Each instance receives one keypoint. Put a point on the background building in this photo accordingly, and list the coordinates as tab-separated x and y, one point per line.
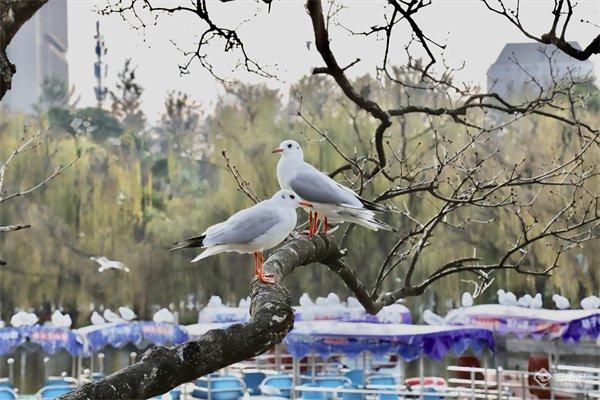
39	50
519	64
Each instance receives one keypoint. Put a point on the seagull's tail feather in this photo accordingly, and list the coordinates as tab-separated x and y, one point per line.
364	218
209	252
372	206
197	241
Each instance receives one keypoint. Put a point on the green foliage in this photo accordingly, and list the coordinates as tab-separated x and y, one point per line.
128	201
126	102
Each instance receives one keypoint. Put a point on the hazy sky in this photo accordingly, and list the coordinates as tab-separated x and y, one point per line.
472	34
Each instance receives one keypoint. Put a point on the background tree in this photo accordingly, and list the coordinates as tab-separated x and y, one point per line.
126	103
438	158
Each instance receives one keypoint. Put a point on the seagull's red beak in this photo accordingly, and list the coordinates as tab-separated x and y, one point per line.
305	203
278	150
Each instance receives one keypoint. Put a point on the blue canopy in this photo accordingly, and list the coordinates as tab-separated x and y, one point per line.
119	334
10	338
161	334
53	339
409	341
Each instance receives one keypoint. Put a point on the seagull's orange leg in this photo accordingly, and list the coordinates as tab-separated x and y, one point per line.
325	226
310	225
255	256
315	224
264	278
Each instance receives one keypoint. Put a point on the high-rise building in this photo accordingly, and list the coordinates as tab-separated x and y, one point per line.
521	68
39	50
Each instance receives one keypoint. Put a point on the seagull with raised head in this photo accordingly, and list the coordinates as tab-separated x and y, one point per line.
506	298
23	318
97	319
60	320
252	230
331	201
536	302
106	264
561	302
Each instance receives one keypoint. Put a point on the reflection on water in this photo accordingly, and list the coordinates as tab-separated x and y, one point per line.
29	372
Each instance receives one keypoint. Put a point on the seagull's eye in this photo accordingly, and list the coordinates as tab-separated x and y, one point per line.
292	196
289	146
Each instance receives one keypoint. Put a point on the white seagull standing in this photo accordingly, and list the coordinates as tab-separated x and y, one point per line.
105	264
110	316
60	320
164	316
467	299
127	313
561	302
590	303
251	230
23	318
332	201
536	302
525	301
97	319
506	298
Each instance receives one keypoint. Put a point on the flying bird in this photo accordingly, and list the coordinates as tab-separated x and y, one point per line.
60	320
252	230
561	302
105	264
97	319
332	201
127	313
507	298
590	303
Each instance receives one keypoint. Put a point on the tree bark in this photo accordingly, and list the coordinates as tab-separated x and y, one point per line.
272	317
13	14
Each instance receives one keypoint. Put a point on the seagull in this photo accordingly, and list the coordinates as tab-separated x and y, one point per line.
525	301
245	302
105	264
60	320
507	298
331	200
590	303
127	313
432	318
536	302
164	316
467	299
23	318
561	302
97	319
110	316
251	230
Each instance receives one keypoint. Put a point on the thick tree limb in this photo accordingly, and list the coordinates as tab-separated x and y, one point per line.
162	368
13	14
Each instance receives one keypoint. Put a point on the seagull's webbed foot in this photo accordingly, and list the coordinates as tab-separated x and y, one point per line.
267	278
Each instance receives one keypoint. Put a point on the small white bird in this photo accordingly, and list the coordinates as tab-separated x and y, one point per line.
106	264
245	302
110	316
467	299
506	298
2	324
127	313
590	303
525	301
536	302
60	320
97	319
305	301
432	318
164	316
23	318
561	302
252	230
331	201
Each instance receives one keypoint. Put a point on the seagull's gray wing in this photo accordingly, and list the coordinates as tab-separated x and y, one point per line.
319	188
244	226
